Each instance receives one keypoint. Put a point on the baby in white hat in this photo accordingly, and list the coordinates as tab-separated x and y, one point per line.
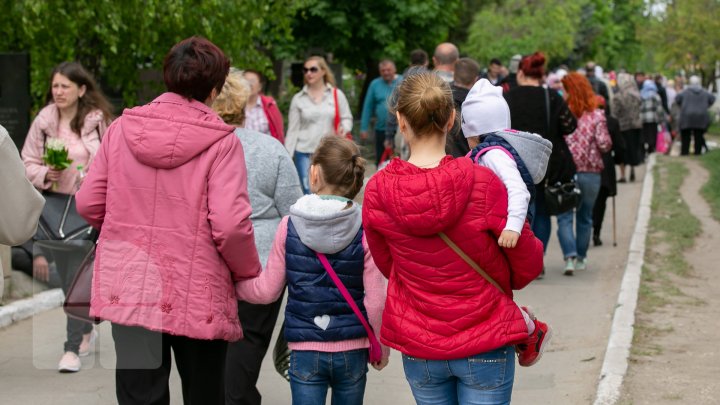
518	158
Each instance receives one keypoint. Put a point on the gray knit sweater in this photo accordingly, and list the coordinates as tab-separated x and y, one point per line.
273	185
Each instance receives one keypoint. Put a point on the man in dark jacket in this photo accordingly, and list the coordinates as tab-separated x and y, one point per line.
466	74
598	85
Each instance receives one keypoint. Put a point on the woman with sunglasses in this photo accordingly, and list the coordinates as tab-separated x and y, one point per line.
320	109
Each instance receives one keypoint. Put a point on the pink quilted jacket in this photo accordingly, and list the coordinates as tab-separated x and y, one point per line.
168	189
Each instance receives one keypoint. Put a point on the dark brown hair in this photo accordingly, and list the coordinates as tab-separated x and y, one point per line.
342	166
425	100
92	100
195	66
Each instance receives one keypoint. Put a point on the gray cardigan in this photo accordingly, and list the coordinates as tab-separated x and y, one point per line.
694	103
273	185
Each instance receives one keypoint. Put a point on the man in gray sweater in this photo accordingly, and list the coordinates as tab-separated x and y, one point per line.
694	103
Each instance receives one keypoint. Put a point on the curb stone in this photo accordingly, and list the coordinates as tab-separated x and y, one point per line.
26	308
615	364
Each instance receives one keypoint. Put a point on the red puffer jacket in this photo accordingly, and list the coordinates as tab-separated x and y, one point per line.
437	306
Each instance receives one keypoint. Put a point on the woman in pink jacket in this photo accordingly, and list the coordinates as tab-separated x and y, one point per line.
168	191
76	116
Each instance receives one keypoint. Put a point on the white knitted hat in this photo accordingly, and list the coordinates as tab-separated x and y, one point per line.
484	110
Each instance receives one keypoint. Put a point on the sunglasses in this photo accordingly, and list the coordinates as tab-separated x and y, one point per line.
313	69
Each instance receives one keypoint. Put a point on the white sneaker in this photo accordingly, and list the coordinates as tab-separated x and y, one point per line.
69	363
569	266
87	345
581	264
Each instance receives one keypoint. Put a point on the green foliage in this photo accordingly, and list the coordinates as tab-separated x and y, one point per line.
359	33
517	26
117	39
686	36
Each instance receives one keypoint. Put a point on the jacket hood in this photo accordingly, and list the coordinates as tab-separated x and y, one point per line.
533	149
171	130
424	202
325	226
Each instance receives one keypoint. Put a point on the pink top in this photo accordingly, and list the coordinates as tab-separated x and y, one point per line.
81	147
589	141
268	286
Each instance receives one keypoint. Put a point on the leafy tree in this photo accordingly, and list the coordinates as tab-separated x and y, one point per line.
686	36
517	26
115	40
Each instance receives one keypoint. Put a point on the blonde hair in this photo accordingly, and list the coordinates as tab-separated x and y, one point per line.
425	101
341	165
328	76
230	103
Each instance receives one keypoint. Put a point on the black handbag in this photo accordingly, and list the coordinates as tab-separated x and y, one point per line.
60	220
562	197
281	355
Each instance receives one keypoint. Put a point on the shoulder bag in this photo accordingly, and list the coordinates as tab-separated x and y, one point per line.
559	197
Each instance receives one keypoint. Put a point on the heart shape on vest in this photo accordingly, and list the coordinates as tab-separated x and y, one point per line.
322	321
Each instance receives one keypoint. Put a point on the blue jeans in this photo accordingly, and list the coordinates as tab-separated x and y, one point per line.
541	223
577	246
302	164
311	372
485	378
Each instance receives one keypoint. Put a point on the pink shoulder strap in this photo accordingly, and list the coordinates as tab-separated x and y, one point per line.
375	350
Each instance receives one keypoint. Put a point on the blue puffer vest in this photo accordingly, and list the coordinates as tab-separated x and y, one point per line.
314	301
489	141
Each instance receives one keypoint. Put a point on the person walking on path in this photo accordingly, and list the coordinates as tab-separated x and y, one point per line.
328	341
262	113
375	105
408	208
76	116
466	74
626	108
587	144
168	192
320	109
542	111
652	114
444	59
273	186
694	103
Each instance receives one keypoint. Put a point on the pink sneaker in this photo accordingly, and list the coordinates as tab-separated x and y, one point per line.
87	345
69	363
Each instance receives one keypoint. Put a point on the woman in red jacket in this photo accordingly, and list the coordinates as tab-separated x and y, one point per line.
454	328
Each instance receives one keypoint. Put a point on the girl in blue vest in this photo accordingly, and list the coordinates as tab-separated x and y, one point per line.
520	160
328	342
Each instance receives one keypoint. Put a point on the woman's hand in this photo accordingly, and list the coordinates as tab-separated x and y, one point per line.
379	365
41	269
53	175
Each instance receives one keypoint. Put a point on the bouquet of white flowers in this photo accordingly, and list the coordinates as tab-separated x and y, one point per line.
56	156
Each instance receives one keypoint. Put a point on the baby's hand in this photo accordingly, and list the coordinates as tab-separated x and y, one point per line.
508	239
379	365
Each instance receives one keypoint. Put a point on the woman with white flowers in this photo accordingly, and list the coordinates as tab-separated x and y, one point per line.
75	118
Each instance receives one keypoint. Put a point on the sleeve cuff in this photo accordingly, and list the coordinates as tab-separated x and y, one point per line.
515	224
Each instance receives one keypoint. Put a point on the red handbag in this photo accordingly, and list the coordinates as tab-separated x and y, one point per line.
336	124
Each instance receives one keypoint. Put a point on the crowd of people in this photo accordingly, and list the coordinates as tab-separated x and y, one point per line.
208	209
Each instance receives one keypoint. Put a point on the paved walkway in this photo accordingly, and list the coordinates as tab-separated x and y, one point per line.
579	308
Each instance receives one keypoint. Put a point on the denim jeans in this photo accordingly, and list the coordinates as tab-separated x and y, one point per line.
312	372
485	378
302	164
577	246
541	223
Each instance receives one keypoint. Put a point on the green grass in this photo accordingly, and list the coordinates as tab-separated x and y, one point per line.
711	189
672	231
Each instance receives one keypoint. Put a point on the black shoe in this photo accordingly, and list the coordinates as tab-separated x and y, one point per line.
596	240
622	180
